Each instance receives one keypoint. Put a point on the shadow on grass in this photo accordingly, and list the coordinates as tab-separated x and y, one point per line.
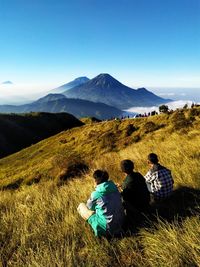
183	203
12	186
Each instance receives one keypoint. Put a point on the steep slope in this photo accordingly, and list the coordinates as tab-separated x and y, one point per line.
59	103
92	141
20	131
67	86
104	88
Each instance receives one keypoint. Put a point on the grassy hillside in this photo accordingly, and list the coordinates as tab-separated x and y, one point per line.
42	189
19	131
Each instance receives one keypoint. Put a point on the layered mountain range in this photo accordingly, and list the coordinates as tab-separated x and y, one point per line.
106	89
55	103
102	97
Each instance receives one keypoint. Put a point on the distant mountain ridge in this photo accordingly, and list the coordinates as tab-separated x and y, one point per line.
55	103
76	82
7	82
50	97
106	89
103	97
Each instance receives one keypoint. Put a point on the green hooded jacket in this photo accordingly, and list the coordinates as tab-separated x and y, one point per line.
109	213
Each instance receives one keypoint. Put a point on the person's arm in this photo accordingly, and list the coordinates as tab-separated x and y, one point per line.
119	186
127	189
125	183
149	177
170	174
91	202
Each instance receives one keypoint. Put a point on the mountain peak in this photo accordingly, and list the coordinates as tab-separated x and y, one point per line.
7	82
104	75
105	80
76	82
142	89
82	79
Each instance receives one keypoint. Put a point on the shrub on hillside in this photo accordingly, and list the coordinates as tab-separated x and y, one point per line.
151	127
35	179
66	167
179	120
163	109
130	129
107	140
136	138
194	112
13	186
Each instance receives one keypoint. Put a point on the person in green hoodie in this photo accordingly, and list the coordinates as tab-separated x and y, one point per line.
104	210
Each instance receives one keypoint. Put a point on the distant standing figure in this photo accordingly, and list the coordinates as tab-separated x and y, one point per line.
104	210
134	189
159	179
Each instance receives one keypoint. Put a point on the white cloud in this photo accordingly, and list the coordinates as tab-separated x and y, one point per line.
23	89
166	94
172	105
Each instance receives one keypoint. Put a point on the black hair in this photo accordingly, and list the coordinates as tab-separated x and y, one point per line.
100	175
127	165
153	158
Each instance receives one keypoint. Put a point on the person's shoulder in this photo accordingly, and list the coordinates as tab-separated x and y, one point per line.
128	178
138	175
163	168
165	173
95	194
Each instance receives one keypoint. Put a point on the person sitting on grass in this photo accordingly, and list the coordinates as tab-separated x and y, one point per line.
104	210
159	179
135	194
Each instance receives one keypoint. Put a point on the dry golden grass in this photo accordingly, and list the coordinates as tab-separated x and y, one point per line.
39	224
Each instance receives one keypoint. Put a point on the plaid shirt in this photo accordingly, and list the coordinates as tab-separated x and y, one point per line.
159	181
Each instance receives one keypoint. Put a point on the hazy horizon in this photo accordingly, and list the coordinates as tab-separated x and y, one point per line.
12	93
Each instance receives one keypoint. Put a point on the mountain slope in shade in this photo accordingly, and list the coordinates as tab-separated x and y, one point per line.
50	97
55	103
78	81
104	88
20	131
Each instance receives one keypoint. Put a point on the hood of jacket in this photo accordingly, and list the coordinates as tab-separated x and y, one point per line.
106	187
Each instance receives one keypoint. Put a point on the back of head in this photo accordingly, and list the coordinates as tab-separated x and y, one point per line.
127	166
101	176
153	158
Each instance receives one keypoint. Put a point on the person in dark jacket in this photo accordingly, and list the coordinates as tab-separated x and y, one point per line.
135	193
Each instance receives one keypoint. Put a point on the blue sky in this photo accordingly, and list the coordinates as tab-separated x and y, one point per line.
151	43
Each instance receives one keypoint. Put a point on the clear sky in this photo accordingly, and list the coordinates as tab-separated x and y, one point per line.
45	43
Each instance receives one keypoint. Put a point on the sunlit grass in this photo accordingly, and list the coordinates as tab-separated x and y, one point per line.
39	224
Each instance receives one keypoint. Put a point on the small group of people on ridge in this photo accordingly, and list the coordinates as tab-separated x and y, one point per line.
108	205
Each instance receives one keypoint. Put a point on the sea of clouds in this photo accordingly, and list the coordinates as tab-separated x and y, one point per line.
172	105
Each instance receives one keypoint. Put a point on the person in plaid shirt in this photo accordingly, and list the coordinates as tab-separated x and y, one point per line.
158	179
